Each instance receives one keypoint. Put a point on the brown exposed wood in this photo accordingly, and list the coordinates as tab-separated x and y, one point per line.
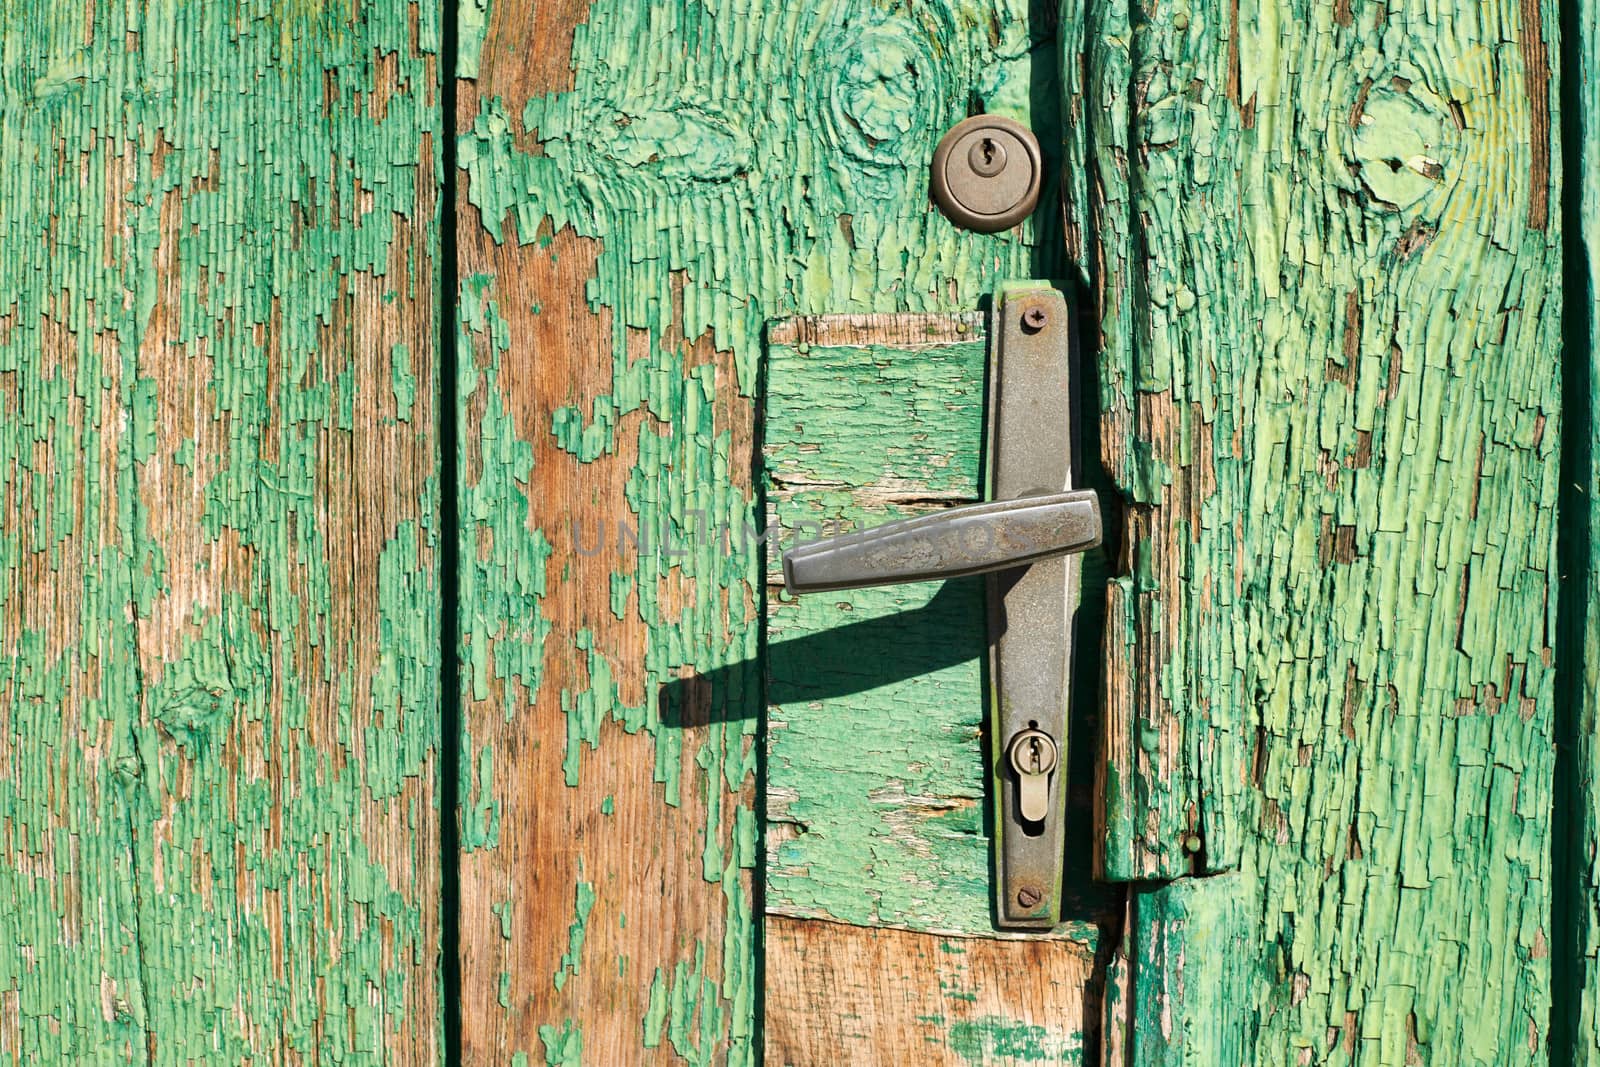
1536	84
897	997
887	329
614	834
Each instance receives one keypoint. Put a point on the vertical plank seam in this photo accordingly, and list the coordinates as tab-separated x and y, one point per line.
1568	909
449	452
1077	59
758	879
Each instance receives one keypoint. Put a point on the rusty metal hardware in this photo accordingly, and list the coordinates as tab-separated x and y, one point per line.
986	173
1026	537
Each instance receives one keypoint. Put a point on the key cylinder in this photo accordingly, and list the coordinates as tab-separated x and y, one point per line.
986	173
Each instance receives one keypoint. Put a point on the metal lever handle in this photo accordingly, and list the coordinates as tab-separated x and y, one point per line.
972	539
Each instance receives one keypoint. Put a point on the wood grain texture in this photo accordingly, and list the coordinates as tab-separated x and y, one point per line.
1329	296
881	997
643	186
1187	961
218	595
607	828
875	757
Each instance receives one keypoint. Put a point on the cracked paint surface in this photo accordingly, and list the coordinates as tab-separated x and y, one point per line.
634	212
218	597
1326	253
1331	317
876	756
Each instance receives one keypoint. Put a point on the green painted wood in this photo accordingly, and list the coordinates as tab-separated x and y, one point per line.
1330	308
875	796
218	591
1323	254
1190	953
643	187
876	704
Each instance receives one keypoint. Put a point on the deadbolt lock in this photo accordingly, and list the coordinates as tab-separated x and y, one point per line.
986	173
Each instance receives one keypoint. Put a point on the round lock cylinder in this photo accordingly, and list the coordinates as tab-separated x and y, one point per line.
986	173
1033	752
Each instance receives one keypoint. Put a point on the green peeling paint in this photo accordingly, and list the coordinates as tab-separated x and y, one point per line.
219	611
998	1040
732	164
503	910
1329	306
876	783
472	24
402	382
1325	248
564	1047
571	958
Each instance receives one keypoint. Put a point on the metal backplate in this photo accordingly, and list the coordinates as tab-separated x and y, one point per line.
1032	609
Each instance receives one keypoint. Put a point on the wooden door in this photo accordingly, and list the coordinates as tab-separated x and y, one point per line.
1316	248
392	671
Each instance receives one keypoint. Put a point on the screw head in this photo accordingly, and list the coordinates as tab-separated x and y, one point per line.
1028	896
1034	319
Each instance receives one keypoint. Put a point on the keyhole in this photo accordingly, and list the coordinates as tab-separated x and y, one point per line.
1035	755
987	157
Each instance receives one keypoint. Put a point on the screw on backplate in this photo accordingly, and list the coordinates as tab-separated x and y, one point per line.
1028	896
1034	319
1192	843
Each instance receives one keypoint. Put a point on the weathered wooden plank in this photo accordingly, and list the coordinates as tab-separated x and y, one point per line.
607	830
218	595
1331	361
894	997
635	206
875	708
875	696
1188	962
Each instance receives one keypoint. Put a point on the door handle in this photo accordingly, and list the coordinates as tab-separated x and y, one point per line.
1027	537
972	539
